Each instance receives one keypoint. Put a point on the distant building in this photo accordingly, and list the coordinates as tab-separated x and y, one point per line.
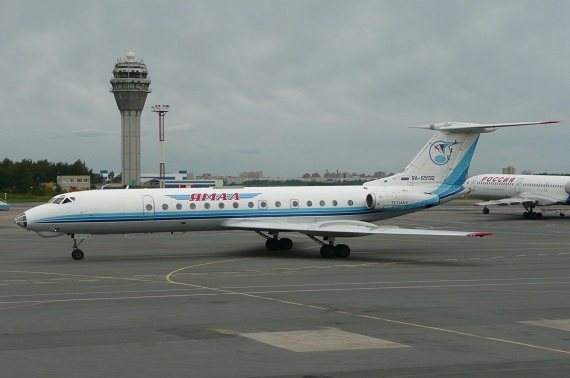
74	183
510	170
380	174
251	174
333	175
104	174
179	180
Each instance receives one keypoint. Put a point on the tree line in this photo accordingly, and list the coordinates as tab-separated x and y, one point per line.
27	176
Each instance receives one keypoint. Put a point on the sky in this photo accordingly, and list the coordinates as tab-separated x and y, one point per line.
287	87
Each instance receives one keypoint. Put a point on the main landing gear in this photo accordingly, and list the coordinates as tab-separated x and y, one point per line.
328	247
273	243
77	254
330	250
530	213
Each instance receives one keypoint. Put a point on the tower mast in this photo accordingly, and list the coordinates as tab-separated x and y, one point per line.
130	86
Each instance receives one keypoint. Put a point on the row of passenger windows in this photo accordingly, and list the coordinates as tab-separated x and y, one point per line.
524	185
261	204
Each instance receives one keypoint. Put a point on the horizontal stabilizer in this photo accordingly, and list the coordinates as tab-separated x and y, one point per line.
337	228
462	127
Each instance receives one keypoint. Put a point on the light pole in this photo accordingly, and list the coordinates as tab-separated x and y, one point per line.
161	110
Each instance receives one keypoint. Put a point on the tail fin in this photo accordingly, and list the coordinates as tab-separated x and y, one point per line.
444	159
442	164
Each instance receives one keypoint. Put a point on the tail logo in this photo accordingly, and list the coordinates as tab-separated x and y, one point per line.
440	152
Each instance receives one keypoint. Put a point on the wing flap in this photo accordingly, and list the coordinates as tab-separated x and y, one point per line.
338	228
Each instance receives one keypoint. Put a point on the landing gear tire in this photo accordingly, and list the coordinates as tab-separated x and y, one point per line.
526	215
341	251
327	251
486	210
285	244
77	254
272	244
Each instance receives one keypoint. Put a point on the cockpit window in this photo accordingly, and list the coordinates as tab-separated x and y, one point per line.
61	200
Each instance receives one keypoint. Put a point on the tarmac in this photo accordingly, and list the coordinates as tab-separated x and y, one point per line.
218	304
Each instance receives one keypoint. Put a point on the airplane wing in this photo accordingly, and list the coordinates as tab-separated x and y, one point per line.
519	200
337	228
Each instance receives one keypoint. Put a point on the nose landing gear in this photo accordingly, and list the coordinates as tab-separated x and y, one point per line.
77	254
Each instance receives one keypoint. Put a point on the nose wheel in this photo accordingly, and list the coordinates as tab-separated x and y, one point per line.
77	254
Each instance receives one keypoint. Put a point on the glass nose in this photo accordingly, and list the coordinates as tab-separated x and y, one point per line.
21	220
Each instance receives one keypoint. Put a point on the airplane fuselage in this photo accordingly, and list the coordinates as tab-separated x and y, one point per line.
189	209
548	190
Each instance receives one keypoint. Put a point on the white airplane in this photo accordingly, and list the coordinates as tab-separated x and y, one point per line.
434	176
526	190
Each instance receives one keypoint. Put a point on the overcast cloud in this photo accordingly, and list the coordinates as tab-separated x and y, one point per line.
287	87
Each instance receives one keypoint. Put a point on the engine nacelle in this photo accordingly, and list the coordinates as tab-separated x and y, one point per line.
400	199
567	187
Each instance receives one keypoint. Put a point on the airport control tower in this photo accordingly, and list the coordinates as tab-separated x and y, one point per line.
130	85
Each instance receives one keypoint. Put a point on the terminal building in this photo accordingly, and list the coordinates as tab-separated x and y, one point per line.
182	179
74	183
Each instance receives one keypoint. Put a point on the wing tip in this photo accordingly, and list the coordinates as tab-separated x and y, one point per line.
479	234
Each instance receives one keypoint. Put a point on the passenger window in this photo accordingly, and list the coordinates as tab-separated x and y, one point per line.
350	203
322	203
235	205
250	204
206	205
277	204
149	207
193	206
309	203
221	205
164	207
334	202
178	206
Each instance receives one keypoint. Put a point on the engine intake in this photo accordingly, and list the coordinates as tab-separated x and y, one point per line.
401	199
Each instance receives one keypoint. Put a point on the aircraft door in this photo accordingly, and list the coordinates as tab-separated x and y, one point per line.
148	206
518	185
